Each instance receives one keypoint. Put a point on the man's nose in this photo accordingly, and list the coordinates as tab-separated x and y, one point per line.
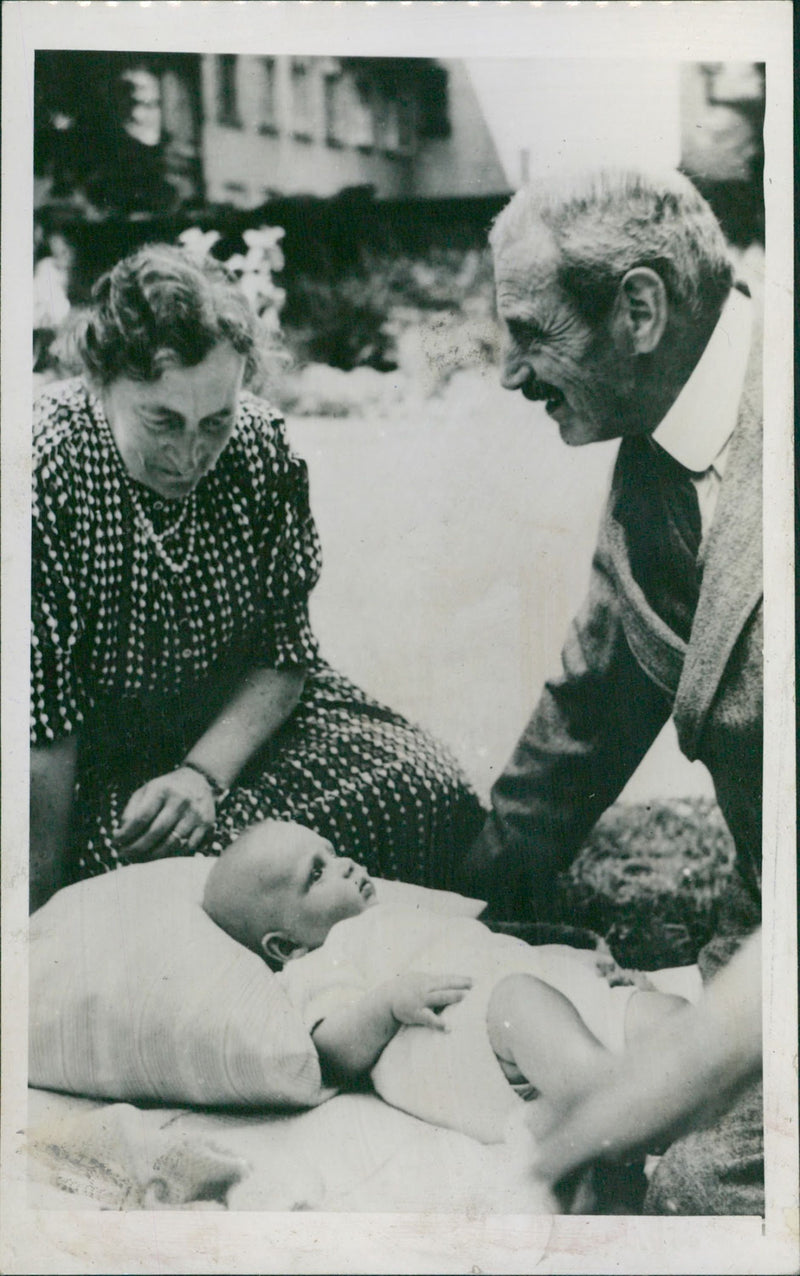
515	369
349	866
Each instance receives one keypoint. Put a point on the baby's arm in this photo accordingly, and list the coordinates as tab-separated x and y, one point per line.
349	1041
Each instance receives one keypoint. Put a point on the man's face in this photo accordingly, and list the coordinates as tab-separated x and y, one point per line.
551	354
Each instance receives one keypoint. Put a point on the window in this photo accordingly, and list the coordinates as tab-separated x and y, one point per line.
734	83
268	104
406	123
141	92
349	118
227	96
362	123
235	193
302	106
396	123
335	123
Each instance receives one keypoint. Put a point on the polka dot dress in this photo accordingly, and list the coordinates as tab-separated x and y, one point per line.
137	659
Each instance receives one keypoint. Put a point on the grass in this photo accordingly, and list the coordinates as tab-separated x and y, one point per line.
649	880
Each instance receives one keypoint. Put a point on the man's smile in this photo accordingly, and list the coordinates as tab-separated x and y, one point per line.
536	391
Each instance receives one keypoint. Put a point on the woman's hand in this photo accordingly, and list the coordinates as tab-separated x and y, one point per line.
414	998
169	815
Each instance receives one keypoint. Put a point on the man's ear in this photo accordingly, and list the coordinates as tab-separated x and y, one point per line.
642	309
279	948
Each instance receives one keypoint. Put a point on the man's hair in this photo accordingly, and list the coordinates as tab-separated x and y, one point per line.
606	222
163	301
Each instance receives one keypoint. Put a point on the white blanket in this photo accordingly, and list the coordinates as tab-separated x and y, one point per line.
353	1153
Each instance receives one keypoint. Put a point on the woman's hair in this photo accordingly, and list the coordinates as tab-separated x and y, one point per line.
606	222
163	304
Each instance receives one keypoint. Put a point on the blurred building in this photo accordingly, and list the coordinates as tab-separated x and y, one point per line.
722	141
150	133
398	156
313	126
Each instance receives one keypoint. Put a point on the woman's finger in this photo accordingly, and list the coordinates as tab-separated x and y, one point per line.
186	836
140	811
197	837
157	838
183	837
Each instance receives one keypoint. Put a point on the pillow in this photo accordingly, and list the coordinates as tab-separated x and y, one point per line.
135	994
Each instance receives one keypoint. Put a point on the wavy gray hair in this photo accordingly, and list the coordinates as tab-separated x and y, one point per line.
608	221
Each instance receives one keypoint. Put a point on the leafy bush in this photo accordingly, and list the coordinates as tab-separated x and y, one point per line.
649	879
339	322
361	318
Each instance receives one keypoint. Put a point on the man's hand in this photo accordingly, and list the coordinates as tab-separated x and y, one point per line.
169	815
414	998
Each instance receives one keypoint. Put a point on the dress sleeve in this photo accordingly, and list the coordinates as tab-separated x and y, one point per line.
58	694
288	547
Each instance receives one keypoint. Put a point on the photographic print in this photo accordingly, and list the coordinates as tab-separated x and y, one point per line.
399	839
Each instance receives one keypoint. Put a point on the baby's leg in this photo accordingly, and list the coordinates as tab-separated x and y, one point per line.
647	1008
535	1028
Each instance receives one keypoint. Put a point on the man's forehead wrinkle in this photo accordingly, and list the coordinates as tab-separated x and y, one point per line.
526	288
535	307
517	293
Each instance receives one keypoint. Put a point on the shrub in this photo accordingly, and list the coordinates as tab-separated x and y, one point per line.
361	318
649	879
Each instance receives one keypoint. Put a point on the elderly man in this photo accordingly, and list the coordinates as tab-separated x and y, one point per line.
623	315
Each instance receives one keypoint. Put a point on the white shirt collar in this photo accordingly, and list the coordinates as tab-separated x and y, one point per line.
698	426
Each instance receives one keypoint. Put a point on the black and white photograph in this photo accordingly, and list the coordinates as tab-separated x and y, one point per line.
399	836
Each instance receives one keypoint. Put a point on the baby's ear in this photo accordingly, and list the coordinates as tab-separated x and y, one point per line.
279	948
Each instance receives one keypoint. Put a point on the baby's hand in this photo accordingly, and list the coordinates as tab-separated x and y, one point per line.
415	997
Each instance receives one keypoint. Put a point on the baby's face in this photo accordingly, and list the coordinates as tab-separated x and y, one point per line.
309	888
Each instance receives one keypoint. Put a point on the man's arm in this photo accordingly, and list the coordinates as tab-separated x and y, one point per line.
349	1041
52	782
588	733
681	1076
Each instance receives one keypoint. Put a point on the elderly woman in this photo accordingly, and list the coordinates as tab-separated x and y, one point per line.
178	691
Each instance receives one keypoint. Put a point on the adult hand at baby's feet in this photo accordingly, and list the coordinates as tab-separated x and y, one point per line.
415	997
596	1187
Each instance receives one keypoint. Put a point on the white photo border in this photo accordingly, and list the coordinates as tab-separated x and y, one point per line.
219	1242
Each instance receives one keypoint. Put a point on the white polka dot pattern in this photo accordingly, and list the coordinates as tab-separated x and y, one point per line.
138	659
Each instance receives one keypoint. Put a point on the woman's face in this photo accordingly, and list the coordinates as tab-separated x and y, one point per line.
170	432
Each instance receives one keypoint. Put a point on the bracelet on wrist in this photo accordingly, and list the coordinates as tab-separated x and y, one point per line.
220	793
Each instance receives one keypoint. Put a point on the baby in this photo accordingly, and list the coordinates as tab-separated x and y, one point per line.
453	1023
